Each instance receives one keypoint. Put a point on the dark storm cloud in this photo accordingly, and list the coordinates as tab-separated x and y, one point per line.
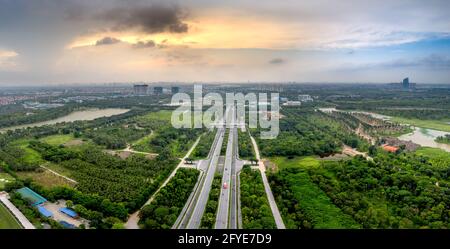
149	19
146	44
277	61
107	41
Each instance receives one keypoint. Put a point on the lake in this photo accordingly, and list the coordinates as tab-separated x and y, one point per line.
89	114
426	137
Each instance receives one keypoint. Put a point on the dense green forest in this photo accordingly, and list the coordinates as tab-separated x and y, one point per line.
165	208
255	209
303	205
393	191
406	190
115	136
304	131
209	217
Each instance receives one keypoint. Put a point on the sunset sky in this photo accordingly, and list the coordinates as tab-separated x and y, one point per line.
62	41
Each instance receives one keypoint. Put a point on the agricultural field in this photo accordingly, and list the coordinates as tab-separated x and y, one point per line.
7	220
45	178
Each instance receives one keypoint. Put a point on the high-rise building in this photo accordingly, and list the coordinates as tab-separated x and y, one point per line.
157	90
175	89
140	89
405	83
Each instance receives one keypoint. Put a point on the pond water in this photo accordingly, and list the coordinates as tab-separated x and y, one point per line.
89	114
426	137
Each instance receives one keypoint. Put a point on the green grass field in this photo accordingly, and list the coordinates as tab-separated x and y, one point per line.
57	139
441	125
143	144
297	162
160	115
31	155
4	178
440	159
7	220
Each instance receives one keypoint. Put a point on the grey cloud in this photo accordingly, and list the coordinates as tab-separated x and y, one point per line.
277	61
146	44
149	19
432	61
107	41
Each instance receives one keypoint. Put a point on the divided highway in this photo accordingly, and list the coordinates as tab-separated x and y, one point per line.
228	214
192	213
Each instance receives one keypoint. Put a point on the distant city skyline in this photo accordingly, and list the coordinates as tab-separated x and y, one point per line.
68	42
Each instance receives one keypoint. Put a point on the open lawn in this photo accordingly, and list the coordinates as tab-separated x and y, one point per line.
5	178
441	125
296	162
143	144
31	155
7	220
440	159
57	139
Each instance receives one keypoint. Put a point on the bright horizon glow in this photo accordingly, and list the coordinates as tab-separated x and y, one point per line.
349	41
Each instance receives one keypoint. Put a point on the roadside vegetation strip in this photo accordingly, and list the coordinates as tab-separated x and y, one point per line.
186	212
164	210
256	212
209	217
246	150
7	219
203	148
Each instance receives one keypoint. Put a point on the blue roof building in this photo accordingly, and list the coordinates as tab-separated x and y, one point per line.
68	212
44	212
66	224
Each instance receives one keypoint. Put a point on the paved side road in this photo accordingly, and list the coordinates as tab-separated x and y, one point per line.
16	212
273	205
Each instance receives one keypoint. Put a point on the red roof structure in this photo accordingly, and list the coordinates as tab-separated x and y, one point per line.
389	148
